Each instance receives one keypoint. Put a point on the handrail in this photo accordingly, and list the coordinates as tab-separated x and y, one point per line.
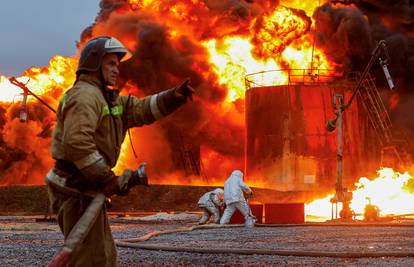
293	77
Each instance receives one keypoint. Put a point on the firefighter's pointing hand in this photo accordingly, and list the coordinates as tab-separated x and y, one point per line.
185	90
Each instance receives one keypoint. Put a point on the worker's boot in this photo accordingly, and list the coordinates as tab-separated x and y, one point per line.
204	218
250	221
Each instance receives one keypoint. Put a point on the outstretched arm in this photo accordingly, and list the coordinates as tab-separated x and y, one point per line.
154	107
245	187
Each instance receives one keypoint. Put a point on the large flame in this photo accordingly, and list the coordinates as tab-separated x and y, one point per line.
307	6
293	48
388	191
232	59
24	147
280	38
59	74
287	24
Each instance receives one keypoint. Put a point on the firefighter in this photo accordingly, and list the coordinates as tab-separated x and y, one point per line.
234	199
92	120
211	202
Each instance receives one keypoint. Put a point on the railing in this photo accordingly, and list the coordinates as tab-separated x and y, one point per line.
292	77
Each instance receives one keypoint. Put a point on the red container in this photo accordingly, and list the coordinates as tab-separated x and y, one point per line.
288	147
257	210
284	213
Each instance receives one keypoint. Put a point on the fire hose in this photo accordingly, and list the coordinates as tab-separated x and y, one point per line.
78	233
134	243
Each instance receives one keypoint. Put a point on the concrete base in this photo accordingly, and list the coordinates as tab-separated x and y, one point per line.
22	200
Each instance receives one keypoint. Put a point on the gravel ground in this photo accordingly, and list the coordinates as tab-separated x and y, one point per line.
24	242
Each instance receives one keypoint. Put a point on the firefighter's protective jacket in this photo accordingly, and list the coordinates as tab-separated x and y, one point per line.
234	187
211	198
88	128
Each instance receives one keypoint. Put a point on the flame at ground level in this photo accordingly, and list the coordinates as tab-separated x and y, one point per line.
389	191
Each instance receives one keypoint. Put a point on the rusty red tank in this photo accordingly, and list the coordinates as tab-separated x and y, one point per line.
287	145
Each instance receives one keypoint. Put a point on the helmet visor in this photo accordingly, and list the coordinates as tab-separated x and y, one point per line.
112	45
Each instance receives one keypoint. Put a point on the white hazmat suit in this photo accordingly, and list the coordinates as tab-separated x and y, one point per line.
234	199
211	202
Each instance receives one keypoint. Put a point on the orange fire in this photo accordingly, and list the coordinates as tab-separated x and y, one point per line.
280	38
389	191
287	24
233	57
308	6
143	3
33	137
60	74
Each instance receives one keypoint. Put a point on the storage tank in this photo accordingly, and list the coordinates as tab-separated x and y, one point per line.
287	145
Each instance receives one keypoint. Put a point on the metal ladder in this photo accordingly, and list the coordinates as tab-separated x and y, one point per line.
376	111
191	165
380	121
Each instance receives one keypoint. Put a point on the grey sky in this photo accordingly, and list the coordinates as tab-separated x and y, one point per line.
32	31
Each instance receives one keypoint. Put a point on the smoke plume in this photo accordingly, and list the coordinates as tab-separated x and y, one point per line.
349	33
166	39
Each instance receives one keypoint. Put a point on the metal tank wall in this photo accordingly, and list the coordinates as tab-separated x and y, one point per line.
288	147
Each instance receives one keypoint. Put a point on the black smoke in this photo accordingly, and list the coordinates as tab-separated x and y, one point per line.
162	61
349	34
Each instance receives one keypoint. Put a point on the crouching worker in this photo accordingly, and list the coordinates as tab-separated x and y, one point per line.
234	199
211	202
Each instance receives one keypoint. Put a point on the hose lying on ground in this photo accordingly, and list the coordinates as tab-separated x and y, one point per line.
275	252
132	243
179	230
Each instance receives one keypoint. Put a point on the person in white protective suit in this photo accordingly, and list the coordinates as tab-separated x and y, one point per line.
211	202
234	199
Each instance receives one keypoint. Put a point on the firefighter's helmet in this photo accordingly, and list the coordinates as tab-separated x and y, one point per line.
94	50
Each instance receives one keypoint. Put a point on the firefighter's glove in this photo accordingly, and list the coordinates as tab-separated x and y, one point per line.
248	194
139	176
121	185
132	178
185	90
118	184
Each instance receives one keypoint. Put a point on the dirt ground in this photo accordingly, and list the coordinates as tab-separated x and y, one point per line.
26	242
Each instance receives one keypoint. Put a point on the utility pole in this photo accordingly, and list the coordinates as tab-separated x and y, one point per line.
342	195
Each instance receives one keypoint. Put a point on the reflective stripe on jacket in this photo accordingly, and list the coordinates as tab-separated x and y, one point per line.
87	129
